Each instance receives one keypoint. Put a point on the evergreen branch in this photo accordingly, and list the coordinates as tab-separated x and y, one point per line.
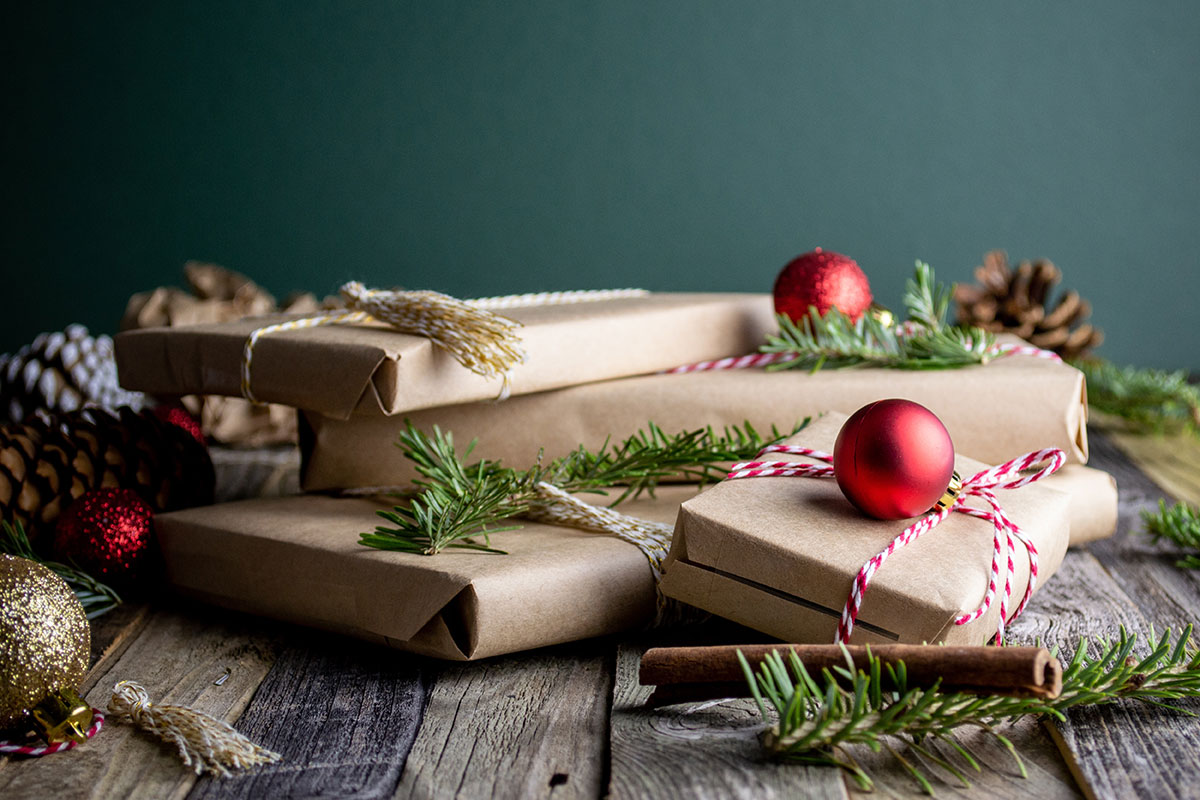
95	597
455	503
1179	524
817	716
1151	399
835	341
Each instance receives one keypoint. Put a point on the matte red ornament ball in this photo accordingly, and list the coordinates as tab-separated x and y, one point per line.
107	532
893	459
822	279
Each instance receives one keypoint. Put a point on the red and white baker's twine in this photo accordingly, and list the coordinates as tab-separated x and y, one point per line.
753	360
57	747
981	485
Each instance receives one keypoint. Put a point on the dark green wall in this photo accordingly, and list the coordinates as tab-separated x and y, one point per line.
483	148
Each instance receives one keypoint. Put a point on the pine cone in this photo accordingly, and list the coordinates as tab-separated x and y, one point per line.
1017	301
47	462
61	371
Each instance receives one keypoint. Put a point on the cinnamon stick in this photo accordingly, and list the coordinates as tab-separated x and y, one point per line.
685	674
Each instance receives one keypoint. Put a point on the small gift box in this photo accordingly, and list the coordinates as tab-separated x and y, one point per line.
338	369
299	559
784	555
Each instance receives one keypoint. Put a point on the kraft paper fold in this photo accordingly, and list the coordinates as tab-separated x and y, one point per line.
780	554
993	412
298	559
338	369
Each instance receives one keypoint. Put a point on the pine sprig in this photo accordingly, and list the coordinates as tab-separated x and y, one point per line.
456	503
95	597
1180	524
1150	399
837	342
817	717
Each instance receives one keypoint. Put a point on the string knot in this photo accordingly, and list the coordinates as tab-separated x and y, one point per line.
1009	475
203	742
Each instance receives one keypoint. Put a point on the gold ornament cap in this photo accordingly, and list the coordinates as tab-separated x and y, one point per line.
63	716
882	315
951	494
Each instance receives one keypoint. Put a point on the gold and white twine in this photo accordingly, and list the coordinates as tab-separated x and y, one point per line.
203	742
652	538
479	339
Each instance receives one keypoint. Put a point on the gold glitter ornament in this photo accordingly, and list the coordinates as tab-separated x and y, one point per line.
45	643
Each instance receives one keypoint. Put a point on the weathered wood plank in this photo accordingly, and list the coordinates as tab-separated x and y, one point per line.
523	726
1049	778
1166	594
697	750
176	656
342	714
1171	460
1122	750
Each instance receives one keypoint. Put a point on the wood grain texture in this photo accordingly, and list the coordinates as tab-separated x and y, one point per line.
1121	750
1171	460
1165	594
698	750
342	714
523	726
1049	777
176	656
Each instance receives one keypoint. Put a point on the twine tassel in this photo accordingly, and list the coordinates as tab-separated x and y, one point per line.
204	742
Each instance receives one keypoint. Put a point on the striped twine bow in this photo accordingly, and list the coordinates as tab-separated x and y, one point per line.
479	339
982	485
55	747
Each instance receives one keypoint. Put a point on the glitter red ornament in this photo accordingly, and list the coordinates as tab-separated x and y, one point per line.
893	459
824	280
180	417
107	532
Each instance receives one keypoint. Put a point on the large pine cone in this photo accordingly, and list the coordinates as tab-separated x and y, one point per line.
1017	301
61	371
47	462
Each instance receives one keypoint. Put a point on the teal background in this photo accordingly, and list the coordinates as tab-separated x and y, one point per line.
487	148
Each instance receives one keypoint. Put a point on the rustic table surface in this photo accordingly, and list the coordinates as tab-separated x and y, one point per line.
354	720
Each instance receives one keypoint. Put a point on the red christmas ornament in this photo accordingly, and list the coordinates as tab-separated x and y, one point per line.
180	417
893	459
107	532
823	280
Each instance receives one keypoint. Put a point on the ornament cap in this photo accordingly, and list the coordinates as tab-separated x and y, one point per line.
951	494
63	716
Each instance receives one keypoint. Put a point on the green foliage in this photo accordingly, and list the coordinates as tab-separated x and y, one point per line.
818	717
1179	524
1150	399
456	503
837	342
95	597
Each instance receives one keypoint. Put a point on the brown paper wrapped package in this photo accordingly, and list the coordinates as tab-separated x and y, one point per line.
338	369
298	559
994	413
780	554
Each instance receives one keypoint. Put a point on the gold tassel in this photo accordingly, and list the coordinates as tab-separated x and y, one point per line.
204	742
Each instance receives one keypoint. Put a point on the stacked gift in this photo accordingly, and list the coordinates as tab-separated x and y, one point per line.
595	368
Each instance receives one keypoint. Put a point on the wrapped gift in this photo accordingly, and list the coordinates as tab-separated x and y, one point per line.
781	555
994	412
369	367
298	559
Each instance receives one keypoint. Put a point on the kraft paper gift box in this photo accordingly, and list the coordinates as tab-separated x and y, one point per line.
779	554
298	559
339	369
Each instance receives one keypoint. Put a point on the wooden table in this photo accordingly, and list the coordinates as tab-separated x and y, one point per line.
354	720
